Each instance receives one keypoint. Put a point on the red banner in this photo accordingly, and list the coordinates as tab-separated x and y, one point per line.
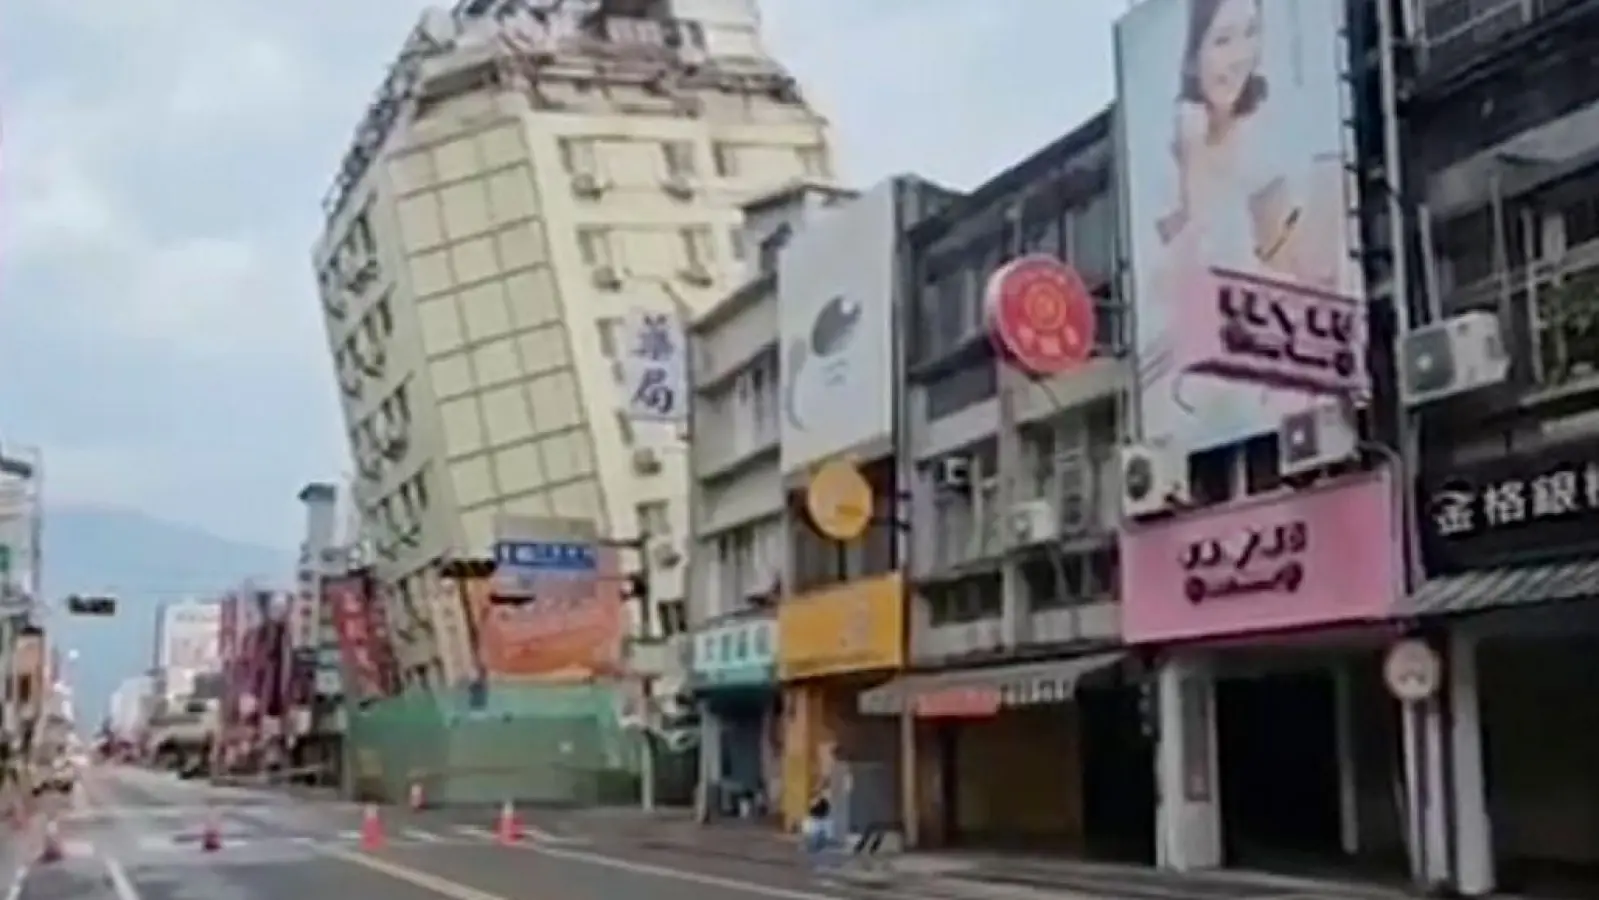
349	598
228	651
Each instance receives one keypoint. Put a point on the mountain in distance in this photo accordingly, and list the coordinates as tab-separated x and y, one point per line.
144	562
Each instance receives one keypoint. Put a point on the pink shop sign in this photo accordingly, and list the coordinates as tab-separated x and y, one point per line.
1328	555
1265	331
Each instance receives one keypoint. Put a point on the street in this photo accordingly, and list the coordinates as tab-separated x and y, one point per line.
132	834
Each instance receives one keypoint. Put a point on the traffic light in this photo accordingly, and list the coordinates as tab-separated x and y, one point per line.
79	605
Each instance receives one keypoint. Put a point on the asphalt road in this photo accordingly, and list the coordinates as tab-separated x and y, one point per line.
135	835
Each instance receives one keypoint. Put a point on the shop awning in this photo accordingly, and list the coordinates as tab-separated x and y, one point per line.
1482	590
988	689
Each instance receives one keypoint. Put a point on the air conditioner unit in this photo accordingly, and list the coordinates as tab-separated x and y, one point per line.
666	555
1321	436
350	380
369	467
1153	480
688	106
372	360
953	473
678	187
646	461
363	277
587	185
395	443
697	275
1460	354
606	278
1032	522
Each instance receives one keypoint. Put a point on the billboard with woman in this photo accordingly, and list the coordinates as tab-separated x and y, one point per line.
1249	297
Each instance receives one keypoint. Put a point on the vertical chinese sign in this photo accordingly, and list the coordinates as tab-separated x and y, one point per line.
654	367
228	654
348	598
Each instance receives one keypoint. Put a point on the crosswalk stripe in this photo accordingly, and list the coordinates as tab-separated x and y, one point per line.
426	837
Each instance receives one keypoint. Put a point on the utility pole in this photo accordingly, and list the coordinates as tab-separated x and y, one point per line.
640	587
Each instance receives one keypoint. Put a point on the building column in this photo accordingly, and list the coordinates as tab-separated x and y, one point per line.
1348	771
710	774
1188	816
1473	831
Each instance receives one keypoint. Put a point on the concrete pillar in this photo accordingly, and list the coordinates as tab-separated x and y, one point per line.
1188	818
1473	831
1348	771
710	760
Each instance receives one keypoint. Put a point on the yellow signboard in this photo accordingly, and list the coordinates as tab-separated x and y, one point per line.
855	627
839	501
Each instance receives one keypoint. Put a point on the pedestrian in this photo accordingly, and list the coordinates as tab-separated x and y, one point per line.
816	832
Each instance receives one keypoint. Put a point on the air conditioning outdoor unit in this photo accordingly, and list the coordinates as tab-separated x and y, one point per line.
1153	480
1033	522
953	473
587	185
606	278
1455	356
1321	436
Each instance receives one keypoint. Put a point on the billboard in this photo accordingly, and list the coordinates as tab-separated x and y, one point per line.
349	599
1239	210
572	629
654	367
835	293
191	636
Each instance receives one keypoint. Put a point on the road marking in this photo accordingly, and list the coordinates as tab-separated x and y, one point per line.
659	871
18	882
423	837
442	886
121	884
537	834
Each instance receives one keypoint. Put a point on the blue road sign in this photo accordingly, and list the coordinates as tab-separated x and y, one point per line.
523	569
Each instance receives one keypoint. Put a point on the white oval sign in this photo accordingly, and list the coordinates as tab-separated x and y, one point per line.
1412	671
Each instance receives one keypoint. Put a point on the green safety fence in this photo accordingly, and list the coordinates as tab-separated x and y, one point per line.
532	744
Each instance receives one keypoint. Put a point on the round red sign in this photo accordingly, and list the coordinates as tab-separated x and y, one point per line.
1041	314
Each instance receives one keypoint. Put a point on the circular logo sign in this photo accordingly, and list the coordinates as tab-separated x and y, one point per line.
1041	314
1412	671
839	501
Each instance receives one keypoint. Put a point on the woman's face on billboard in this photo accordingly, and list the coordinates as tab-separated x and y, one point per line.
1229	53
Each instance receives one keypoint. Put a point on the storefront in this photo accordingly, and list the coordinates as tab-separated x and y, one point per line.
1275	739
1511	547
833	644
1001	757
733	678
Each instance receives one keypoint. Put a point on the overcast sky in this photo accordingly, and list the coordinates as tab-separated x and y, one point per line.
163	164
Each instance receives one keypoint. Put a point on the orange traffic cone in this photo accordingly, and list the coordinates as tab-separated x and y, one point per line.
371	829
509	830
416	797
51	850
211	833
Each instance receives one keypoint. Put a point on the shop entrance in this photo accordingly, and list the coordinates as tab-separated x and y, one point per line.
1277	758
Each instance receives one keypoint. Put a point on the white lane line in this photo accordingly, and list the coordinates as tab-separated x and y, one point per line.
423	837
18	882
121	884
537	834
349	835
701	878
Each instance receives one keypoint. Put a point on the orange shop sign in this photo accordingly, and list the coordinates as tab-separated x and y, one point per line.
855	627
574	637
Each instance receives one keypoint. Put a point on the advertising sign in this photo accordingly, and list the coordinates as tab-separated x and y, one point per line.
190	636
855	627
654	367
1250	301
348	598
839	501
1320	556
1539	506
1040	315
571	629
836	281
735	654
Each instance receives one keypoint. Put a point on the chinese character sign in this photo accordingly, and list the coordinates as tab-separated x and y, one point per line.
1514	509
654	367
348	598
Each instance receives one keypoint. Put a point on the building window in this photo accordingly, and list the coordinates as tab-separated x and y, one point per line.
610	331
679	157
384	314
595	245
579	156
624	426
735	243
674	617
772	247
655	518
726	156
697	250
814	162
